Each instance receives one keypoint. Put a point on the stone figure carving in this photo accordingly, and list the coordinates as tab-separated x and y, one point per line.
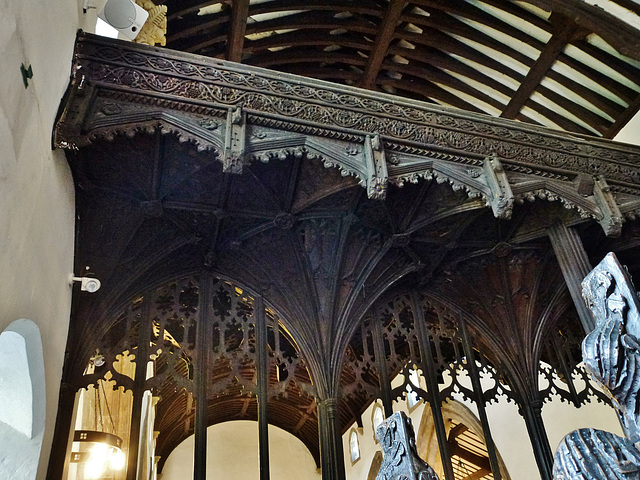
611	353
400	458
155	28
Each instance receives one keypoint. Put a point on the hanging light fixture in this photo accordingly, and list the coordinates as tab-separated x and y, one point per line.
99	451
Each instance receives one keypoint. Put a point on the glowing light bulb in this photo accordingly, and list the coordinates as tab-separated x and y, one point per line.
117	459
96	465
94	468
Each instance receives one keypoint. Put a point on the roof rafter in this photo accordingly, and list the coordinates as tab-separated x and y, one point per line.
623	119
566	31
382	41
629	5
477	460
618	33
235	42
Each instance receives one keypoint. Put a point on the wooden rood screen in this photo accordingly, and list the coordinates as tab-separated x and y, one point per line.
281	249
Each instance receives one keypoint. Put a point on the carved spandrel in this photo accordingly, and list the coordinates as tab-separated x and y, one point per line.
611	353
400	458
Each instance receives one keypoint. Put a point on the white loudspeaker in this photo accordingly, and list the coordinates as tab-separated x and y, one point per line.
125	16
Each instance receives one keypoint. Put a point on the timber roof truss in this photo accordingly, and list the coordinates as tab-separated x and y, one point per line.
570	65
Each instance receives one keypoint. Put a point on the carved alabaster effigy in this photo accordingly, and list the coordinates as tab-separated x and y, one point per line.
400	459
611	353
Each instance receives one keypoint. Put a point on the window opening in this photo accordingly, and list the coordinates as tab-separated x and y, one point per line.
354	446
412	396
377	418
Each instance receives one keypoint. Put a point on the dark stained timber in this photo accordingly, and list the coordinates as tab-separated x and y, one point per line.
288	248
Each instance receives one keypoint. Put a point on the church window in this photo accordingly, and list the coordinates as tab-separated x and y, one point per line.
354	446
377	417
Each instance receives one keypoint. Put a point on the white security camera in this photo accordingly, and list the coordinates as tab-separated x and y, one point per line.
87	284
125	16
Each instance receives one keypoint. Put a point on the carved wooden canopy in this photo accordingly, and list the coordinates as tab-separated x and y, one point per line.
348	212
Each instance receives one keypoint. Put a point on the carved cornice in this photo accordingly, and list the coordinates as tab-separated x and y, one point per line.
123	88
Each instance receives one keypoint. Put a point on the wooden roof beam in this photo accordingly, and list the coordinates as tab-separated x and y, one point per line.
565	32
616	32
629	5
235	42
482	462
623	119
186	9
457	430
382	41
477	474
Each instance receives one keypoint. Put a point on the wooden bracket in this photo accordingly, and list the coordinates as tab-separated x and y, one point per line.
376	168
610	217
501	197
234	141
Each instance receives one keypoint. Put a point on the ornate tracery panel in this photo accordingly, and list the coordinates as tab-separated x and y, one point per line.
171	317
388	346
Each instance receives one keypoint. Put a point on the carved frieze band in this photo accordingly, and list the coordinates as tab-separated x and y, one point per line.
119	87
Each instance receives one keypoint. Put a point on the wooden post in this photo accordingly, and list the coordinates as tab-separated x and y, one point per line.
433	390
381	365
203	336
532	413
574	264
262	366
139	381
472	368
62	436
331	454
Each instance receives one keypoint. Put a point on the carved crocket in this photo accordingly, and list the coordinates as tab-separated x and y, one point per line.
611	353
400	459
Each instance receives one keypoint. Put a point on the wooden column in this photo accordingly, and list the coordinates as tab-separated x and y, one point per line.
433	390
575	265
532	413
262	366
331	454
62	436
472	368
203	345
381	365
141	359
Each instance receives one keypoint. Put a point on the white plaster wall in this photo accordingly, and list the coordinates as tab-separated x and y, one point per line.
631	132
232	452
36	198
